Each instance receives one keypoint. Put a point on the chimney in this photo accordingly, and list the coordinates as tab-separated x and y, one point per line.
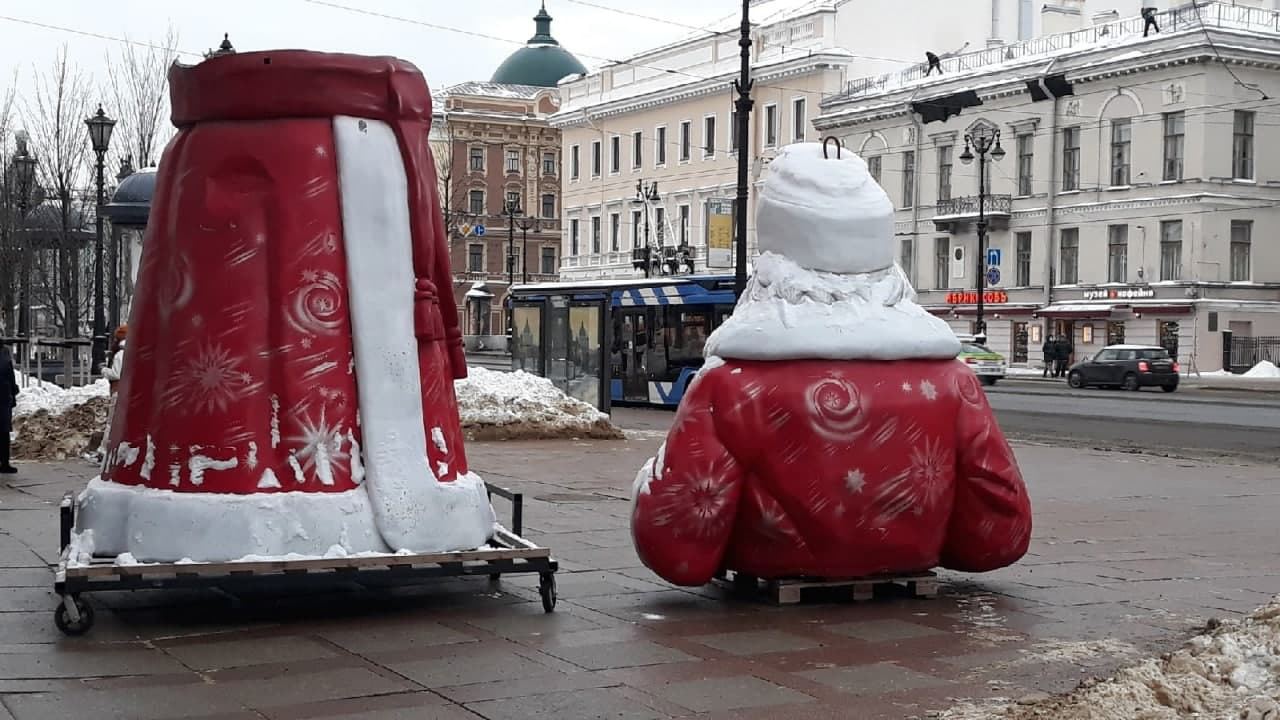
1062	16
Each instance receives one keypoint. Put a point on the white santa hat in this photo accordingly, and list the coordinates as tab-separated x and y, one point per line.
822	209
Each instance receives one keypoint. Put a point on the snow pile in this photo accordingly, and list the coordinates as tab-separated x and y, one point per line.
1232	671
1264	369
37	395
516	405
61	431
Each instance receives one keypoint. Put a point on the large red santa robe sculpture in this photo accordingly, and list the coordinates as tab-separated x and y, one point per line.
832	432
293	342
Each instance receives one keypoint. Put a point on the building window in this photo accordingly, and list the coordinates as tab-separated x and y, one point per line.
475	258
595	235
907	258
660	146
1071	158
799	123
635	228
908	178
684	224
595	158
1121	143
573	237
1241	250
549	163
873	167
1069	256
941	263
477	159
574	157
1023	241
709	136
615	232
475	199
1026	157
548	261
660	221
770	125
637	149
615	154
1175	126
548	205
513	201
685	140
513	161
1117	253
944	173
1242	146
1171	250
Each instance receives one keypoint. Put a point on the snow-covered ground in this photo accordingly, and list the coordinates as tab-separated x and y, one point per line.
36	395
1230	672
516	404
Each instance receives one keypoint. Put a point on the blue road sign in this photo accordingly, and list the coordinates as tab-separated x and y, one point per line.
993	256
993	276
478	230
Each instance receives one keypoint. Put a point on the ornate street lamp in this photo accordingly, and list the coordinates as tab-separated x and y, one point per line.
526	224
100	127
24	174
984	143
643	257
511	209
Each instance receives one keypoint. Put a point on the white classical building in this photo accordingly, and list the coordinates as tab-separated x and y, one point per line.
667	115
1136	199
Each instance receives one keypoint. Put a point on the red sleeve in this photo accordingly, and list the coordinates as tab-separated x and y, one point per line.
686	497
990	524
441	276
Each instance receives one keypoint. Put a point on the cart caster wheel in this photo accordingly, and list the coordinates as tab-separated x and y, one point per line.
62	617
745	586
547	589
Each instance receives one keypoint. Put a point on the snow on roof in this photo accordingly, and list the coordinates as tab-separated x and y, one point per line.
499	90
1033	54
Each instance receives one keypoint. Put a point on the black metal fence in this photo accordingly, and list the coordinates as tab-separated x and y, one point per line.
1249	351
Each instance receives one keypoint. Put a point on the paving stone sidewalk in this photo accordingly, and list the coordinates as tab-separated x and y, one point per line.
1130	554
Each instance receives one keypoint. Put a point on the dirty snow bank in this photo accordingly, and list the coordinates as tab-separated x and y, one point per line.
36	395
516	405
70	432
1232	671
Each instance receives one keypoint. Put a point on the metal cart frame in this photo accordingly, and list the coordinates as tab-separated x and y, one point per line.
506	553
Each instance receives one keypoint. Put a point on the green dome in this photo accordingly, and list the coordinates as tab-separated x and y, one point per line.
541	62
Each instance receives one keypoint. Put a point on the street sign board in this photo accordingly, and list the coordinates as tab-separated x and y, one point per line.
993	276
479	230
993	256
719	233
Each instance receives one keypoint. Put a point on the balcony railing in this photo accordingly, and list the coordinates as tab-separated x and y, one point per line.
1216	14
966	207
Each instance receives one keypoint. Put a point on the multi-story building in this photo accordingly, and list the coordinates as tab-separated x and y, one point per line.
499	168
1138	180
664	120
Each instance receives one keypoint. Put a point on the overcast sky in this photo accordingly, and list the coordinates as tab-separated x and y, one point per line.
445	57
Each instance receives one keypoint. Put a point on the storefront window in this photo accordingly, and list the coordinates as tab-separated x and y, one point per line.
1021	335
527	351
1168	334
1115	333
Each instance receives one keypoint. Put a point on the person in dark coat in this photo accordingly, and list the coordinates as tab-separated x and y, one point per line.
1063	355
8	399
1149	18
934	64
1049	353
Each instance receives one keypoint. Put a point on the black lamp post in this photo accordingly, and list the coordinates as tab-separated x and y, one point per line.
526	224
100	127
643	257
511	209
985	143
117	251
743	104
24	173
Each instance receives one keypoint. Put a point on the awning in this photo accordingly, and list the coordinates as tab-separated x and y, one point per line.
478	293
989	309
1098	311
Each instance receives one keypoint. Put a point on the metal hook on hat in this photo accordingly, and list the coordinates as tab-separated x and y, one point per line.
831	138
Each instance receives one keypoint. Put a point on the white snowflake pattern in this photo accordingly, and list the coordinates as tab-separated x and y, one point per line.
928	390
929	464
318	446
855	481
322	151
307	343
213	379
906	387
310	275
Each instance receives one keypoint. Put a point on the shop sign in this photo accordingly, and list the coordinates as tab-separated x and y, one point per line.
1128	293
720	233
991	297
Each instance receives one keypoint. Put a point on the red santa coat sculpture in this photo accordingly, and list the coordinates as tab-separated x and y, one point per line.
288	383
832	432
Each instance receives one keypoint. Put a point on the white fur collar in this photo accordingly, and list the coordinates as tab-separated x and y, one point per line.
789	313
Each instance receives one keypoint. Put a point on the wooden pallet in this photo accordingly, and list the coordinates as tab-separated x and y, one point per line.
789	591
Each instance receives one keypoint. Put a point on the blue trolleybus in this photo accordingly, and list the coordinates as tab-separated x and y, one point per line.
619	341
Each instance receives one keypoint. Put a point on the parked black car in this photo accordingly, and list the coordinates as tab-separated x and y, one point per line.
1131	367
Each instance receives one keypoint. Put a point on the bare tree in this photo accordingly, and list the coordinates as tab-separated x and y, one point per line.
54	115
140	93
10	252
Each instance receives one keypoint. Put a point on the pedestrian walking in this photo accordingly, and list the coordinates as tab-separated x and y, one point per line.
1149	21
934	63
8	399
1048	351
113	372
1063	356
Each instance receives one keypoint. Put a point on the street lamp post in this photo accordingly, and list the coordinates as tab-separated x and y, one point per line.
24	172
643	257
100	127
526	224
511	209
983	143
743	104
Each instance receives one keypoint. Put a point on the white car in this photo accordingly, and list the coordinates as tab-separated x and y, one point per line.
989	366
